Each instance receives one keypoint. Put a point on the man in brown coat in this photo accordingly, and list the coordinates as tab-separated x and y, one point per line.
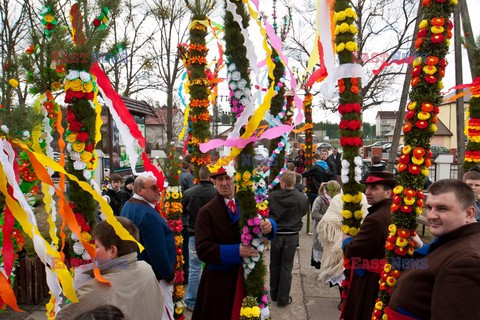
447	285
217	240
367	249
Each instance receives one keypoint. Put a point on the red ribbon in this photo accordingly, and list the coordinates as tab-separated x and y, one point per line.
7	250
127	118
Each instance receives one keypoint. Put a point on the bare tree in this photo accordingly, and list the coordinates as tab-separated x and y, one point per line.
388	21
166	62
13	31
127	55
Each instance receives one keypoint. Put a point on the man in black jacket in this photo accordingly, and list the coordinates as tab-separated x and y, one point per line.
287	207
193	200
336	158
318	173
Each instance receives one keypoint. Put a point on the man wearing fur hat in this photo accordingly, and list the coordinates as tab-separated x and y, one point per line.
367	250
217	240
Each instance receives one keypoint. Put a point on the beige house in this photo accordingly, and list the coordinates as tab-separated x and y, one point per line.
385	122
448	115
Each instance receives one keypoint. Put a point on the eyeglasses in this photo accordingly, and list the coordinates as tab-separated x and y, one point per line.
153	187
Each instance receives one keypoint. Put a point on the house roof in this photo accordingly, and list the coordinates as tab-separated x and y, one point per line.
138	107
386	115
160	116
442	130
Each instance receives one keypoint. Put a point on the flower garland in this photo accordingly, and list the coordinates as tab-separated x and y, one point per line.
350	127
419	126
48	20
240	97
472	129
173	208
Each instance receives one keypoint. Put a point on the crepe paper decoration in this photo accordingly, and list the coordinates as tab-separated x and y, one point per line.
128	129
473	87
276	43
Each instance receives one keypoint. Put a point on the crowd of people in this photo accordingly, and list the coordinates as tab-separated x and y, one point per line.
444	289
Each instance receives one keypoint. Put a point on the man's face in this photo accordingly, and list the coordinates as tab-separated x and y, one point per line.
149	191
335	151
115	185
445	213
475	184
129	186
224	186
376	193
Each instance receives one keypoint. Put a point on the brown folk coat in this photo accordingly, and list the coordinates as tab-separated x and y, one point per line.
216	291
448	285
369	244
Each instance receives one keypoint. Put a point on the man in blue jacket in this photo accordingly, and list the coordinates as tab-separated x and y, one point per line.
155	235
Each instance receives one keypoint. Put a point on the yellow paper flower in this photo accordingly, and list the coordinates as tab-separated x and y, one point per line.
423	24
247	312
353	29
406	149
72	137
417	161
76	85
344	27
66	85
340	16
440	85
429	69
418	210
13	82
353	231
358	214
417	61
385	316
78	146
178	241
175	195
409	200
401	242
347	214
238	176
347	197
454	2
178	310
357	198
246	176
345	229
340	47
86	156
87	87
437	29
392	228
387	267
412	105
433	128
398	190
351	46
256	312
424	171
379	305
423	115
261	206
56	86
85	236
246	184
349	12
48	18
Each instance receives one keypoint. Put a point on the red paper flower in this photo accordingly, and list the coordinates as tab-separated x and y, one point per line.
410	115
97	22
397	199
343	124
421	124
404	158
407	127
75	126
437	38
401	167
414	169
82	136
406	209
416	71
430	79
89	147
422	33
49	26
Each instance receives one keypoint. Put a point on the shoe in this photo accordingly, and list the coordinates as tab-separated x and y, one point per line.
285	304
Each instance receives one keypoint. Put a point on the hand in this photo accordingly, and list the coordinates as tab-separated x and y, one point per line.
248	251
266	226
418	242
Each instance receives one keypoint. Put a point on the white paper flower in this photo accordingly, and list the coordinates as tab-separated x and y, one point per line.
85	76
344	172
79	165
238	94
236	76
73	74
242	83
245	101
78	248
358	178
345	164
232	67
261	247
261	184
26	134
358	161
4	128
255	242
44	10
345	179
256	259
358	171
247	92
73	236
87	174
85	255
103	217
233	86
74	156
265	313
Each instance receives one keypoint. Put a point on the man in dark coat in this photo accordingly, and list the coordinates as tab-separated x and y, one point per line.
217	240
368	248
445	286
318	173
287	207
112	193
336	158
193	200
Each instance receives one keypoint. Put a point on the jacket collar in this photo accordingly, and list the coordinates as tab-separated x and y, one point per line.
378	205
114	265
462	232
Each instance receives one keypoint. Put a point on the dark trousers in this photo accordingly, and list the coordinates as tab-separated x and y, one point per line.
282	254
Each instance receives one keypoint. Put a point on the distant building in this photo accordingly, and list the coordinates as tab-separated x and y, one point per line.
385	122
156	128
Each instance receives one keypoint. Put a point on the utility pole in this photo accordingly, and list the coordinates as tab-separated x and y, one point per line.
459	102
